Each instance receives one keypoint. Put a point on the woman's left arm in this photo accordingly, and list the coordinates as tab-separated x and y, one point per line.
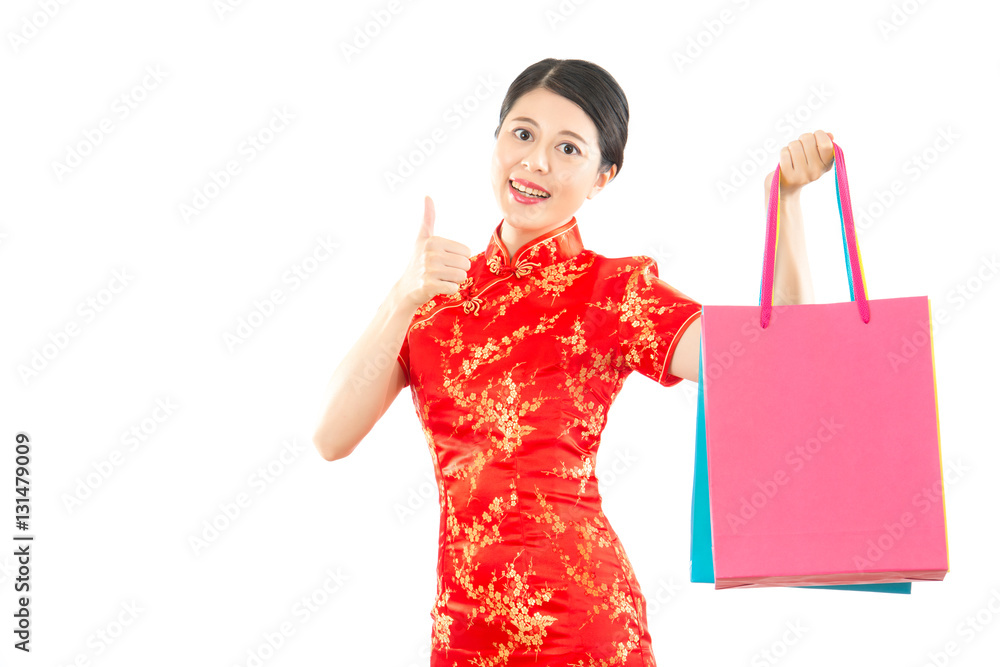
802	161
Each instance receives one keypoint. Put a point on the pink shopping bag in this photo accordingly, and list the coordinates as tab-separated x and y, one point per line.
821	428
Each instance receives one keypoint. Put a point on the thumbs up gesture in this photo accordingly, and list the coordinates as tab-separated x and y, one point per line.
438	265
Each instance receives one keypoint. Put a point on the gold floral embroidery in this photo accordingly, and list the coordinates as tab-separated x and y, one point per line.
583	472
442	621
513	404
555	279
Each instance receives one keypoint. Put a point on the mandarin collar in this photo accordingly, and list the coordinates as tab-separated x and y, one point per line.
551	247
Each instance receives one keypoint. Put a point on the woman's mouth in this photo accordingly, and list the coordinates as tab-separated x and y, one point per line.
525	195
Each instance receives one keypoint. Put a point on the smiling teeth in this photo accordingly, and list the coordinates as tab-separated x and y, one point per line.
529	191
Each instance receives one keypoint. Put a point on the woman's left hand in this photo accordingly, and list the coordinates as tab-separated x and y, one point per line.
802	161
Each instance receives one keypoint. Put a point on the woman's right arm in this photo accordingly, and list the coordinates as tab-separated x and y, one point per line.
366	381
364	385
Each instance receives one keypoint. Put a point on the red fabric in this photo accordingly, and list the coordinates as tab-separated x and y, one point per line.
512	378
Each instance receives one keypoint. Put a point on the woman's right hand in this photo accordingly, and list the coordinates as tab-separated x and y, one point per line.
438	265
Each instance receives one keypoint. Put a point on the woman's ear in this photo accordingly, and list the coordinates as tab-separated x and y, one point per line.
602	180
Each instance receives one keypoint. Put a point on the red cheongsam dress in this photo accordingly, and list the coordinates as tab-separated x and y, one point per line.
512	378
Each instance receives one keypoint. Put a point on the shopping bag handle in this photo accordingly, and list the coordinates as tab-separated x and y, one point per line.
852	252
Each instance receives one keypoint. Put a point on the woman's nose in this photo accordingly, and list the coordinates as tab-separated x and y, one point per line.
535	158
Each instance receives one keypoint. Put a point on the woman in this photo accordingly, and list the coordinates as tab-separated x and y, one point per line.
513	356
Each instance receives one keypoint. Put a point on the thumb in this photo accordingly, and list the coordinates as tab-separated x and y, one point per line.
833	153
427	226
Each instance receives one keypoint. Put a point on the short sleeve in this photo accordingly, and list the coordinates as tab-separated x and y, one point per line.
652	317
404	358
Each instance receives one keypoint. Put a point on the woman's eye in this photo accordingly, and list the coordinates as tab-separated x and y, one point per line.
519	131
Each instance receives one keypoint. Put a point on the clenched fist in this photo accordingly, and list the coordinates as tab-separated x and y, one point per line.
802	161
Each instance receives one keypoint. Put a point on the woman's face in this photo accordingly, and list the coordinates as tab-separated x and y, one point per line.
550	142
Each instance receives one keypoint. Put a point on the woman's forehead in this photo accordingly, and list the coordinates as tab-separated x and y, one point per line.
552	112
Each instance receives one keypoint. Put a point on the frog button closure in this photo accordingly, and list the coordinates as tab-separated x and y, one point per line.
472	303
521	269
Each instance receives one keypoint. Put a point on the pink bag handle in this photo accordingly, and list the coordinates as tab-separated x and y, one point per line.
852	253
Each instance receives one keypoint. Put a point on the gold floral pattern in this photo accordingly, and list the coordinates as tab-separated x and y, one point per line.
513	389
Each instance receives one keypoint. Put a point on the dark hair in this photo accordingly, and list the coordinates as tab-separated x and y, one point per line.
591	88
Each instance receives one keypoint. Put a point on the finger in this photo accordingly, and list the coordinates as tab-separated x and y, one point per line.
456	254
811	152
824	143
809	149
798	153
455	275
427	226
785	161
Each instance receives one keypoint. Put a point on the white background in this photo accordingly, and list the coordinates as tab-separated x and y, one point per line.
893	77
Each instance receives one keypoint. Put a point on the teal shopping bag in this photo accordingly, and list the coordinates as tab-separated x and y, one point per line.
702	570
